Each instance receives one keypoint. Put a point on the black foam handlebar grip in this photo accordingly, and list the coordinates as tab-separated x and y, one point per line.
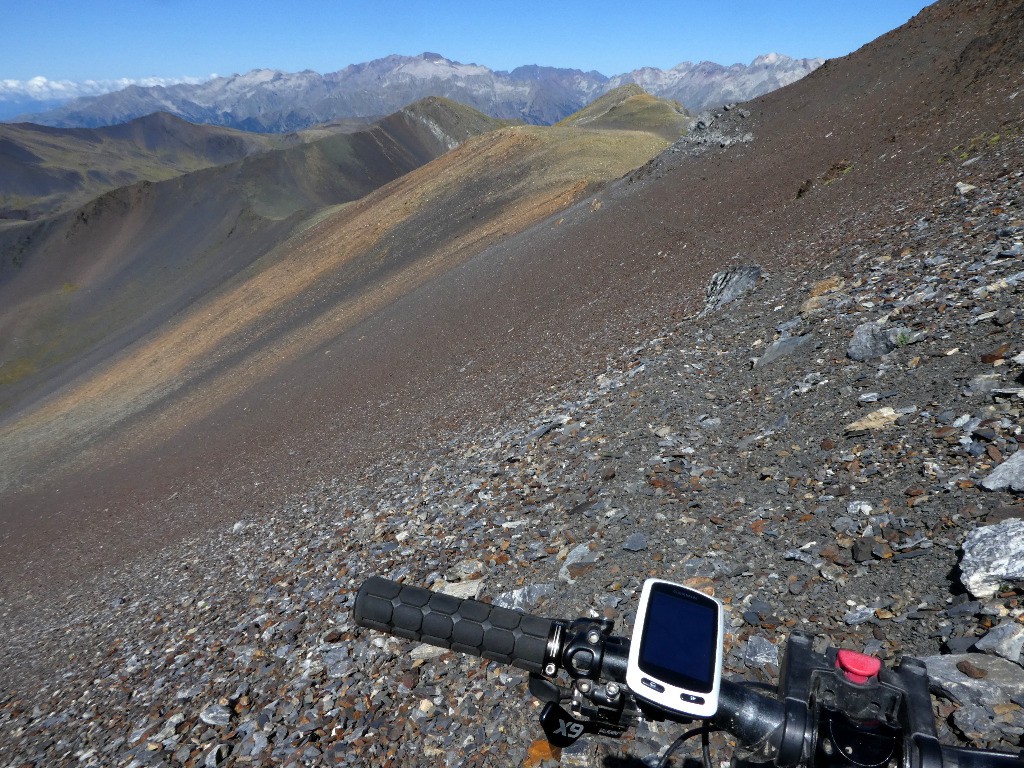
466	626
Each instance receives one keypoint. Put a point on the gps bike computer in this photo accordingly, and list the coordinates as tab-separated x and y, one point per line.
675	654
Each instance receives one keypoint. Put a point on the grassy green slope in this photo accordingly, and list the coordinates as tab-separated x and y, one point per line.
631	108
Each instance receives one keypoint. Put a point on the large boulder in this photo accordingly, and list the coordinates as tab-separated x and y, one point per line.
729	285
871	340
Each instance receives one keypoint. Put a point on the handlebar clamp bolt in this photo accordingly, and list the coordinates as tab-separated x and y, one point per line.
593	637
550	669
584	686
613	690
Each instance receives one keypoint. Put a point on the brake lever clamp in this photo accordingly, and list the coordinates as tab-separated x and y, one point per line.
605	708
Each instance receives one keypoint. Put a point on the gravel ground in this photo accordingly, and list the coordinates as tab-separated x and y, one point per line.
743	450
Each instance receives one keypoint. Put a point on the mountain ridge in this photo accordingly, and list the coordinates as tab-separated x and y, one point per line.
563	392
270	101
153	249
84	281
46	170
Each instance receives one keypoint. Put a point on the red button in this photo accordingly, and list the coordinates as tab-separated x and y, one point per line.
858	667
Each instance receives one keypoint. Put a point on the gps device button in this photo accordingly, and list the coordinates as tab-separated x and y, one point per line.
689	697
652	685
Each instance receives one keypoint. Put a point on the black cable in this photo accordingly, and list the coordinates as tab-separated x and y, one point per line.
704	731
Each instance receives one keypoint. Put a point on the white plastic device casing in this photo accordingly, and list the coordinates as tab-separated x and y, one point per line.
662	692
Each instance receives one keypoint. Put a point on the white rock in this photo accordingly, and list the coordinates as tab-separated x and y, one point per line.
859	508
1009	474
1006	640
424	651
992	555
463	589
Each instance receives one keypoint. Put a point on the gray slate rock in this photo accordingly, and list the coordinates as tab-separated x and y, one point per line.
635	542
787	345
973	721
871	340
729	285
216	714
993	554
1002	678
580	555
338	662
859	615
1006	640
1008	475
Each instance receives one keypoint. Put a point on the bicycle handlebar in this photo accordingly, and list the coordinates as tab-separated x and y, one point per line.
771	730
530	643
464	625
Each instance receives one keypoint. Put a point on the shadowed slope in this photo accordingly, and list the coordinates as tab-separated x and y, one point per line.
47	170
76	288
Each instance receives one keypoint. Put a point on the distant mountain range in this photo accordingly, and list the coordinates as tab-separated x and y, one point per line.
272	101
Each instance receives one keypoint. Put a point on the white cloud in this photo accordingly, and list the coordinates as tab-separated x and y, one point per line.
42	88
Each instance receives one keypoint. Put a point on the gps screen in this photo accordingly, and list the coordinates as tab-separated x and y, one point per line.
680	639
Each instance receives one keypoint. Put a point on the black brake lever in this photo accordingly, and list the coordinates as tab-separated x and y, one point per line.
546	690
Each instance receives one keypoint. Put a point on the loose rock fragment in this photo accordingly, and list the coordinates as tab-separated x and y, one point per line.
1005	639
216	714
759	652
993	554
871	340
879	419
636	542
463	589
785	346
1008	475
525	598
579	561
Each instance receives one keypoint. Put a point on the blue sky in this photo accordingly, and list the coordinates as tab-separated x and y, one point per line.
78	40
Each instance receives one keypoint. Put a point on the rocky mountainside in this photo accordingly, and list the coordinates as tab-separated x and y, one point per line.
815	449
575	407
272	101
235	272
